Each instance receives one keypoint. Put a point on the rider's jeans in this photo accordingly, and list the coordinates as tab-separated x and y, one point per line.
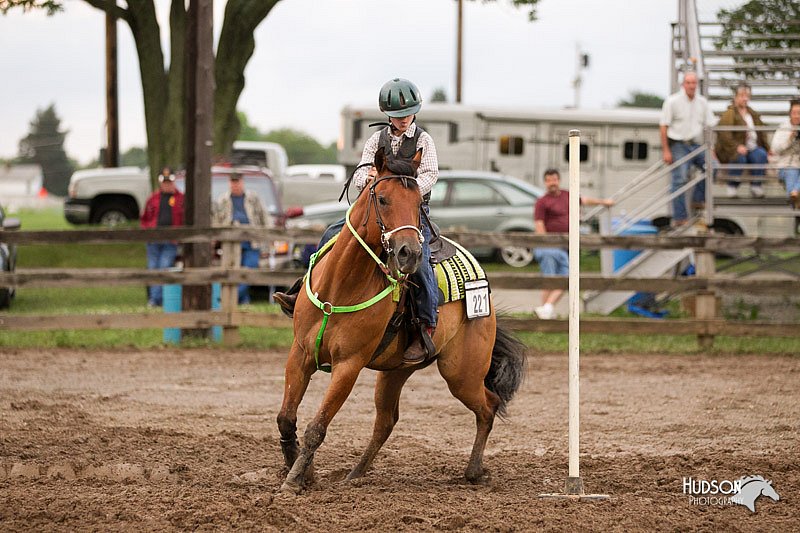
427	295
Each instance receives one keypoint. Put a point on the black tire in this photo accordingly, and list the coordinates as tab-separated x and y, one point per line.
113	214
515	256
5	298
726	227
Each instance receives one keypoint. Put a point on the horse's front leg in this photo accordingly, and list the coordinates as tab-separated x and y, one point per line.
343	378
298	374
387	411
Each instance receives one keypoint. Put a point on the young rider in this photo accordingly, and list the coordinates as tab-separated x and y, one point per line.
400	100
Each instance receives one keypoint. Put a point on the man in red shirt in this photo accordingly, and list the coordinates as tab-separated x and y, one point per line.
551	215
164	208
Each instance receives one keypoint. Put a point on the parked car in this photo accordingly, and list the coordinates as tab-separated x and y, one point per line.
8	257
258	181
461	200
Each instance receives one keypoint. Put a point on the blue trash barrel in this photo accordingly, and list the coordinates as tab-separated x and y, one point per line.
173	303
623	257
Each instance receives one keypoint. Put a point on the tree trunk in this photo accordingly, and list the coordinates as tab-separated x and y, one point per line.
235	48
144	26
163	88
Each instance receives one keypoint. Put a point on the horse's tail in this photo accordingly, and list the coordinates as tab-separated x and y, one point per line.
507	368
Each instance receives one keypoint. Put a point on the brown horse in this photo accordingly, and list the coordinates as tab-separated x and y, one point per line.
482	365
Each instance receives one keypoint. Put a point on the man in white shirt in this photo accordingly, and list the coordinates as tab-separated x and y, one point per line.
684	116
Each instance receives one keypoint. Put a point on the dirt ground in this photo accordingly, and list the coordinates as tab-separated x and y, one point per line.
186	439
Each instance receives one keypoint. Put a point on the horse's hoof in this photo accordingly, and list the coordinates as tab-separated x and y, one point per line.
474	477
291	488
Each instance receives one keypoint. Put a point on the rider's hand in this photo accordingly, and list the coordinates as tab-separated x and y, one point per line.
667	156
741	149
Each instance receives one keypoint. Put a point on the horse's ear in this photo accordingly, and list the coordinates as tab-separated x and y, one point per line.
380	159
417	159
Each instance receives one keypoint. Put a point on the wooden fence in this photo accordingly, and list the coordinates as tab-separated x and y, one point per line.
706	285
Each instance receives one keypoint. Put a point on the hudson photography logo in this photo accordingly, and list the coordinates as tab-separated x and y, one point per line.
743	491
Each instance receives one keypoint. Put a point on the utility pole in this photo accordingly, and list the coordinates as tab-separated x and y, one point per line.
111	154
459	39
199	80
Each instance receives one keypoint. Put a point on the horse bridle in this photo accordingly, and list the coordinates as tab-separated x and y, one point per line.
373	200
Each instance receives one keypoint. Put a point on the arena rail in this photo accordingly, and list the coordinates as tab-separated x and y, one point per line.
706	285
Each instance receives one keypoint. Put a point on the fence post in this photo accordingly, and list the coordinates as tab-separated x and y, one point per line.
231	260
705	304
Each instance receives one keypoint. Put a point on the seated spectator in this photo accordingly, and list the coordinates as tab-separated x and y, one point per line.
745	146
163	209
240	207
786	145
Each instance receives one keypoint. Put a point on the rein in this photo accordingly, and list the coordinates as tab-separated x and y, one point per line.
328	308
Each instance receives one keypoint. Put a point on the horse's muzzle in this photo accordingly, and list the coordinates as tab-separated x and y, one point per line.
408	256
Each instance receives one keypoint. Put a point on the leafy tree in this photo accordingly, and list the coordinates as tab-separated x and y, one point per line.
742	26
44	145
439	95
163	87
640	99
247	131
134	156
301	147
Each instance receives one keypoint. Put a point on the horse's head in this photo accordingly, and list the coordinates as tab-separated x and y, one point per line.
395	197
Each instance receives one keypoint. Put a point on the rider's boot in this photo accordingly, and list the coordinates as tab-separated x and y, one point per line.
287	299
421	348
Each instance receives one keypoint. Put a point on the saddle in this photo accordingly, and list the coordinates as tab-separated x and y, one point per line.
453	266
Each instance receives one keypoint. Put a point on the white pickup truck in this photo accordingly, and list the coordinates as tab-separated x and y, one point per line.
111	196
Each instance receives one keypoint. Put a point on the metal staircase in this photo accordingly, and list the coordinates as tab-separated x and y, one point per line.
719	71
648	264
770	70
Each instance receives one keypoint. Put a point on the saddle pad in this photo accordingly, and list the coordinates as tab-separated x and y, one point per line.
453	272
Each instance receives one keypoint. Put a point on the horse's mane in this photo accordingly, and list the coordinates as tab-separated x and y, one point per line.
402	167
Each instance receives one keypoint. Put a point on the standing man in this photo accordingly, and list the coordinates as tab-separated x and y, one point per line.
551	215
163	209
684	116
238	207
742	147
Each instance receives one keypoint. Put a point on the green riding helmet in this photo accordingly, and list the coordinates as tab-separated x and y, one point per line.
399	98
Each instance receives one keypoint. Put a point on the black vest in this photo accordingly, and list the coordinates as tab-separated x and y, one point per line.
408	146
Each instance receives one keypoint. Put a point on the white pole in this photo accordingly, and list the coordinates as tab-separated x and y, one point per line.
573	483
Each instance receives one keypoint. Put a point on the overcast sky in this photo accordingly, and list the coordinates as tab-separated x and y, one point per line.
313	57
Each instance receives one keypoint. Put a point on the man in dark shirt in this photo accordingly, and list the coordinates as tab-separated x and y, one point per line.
163	209
551	215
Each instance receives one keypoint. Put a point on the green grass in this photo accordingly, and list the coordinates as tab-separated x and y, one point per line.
132	299
51	218
72	255
666	344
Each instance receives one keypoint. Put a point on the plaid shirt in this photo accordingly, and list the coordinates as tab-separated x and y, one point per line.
428	170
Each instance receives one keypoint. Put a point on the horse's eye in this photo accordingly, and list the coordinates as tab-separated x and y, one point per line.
382	200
